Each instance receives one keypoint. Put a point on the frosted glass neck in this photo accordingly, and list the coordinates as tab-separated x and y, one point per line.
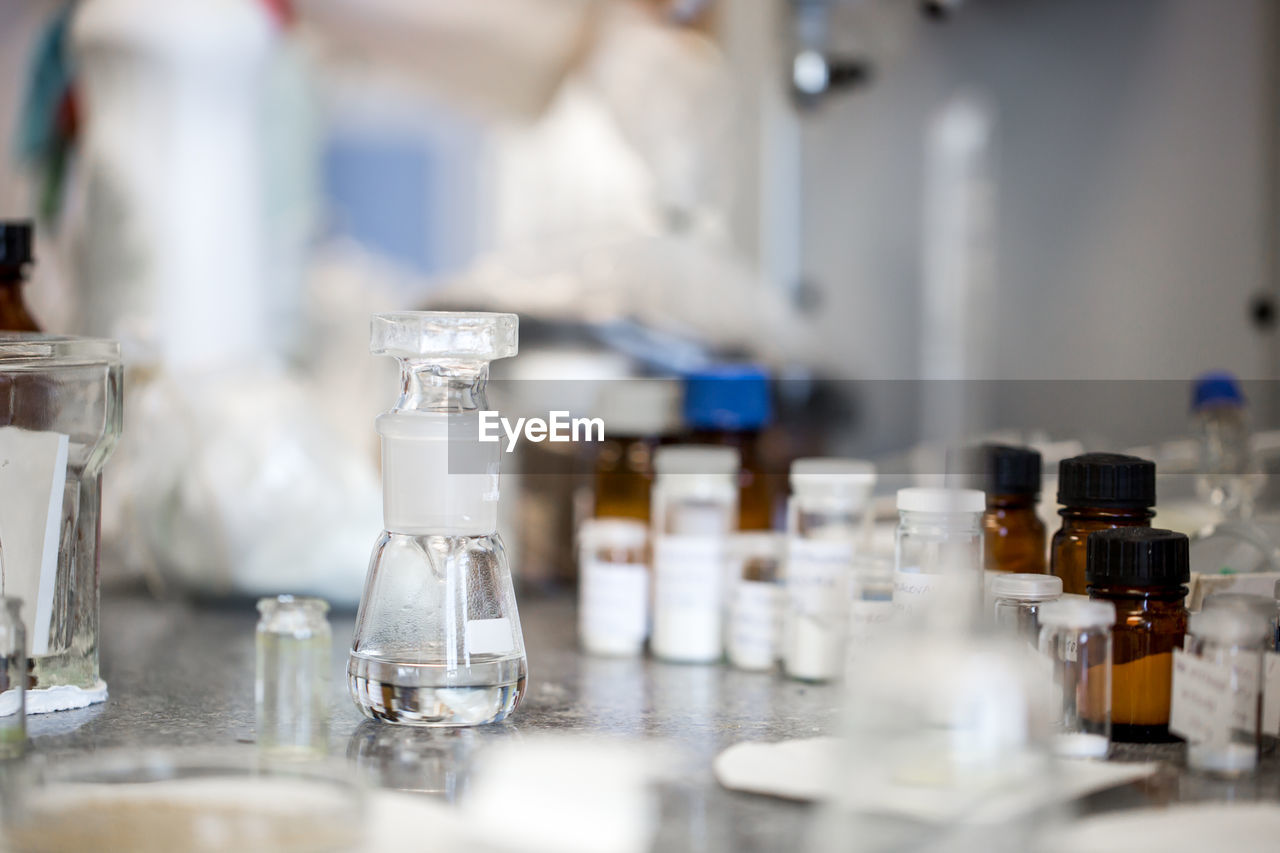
442	385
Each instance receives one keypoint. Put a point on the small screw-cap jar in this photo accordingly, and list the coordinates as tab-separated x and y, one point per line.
938	577
1075	635
1018	599
292	687
613	586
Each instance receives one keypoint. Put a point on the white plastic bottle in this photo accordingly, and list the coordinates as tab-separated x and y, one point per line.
695	508
613	586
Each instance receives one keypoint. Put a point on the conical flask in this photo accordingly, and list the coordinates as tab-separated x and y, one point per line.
437	640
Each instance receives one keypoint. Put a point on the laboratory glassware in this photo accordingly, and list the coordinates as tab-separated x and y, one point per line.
291	691
870	607
640	413
1097	491
754	632
1075	636
825	523
613	586
13	679
59	422
1013	535
15	264
438	639
1222	432
1018	599
938	578
695	509
1233	639
1143	571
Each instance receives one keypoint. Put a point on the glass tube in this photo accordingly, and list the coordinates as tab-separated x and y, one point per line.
1075	636
13	679
292	687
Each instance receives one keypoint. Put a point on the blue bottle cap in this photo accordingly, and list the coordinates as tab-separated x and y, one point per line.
728	396
1216	388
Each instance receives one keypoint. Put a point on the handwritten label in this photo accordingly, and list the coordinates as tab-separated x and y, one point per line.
615	601
1202	700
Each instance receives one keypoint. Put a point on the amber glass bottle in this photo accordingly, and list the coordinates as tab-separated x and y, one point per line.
1012	532
15	260
639	415
1097	491
1143	571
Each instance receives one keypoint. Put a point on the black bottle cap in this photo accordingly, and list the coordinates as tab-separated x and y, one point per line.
1108	480
1138	556
15	242
998	469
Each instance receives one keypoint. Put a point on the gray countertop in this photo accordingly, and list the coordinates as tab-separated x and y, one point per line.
181	674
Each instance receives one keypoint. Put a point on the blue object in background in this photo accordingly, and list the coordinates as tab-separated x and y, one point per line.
728	397
1216	388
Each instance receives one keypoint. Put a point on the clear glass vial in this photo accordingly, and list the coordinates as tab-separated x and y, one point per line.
291	691
870	608
13	679
1234	640
1075	636
825	521
613	586
755	600
1018	599
695	508
938	579
438	639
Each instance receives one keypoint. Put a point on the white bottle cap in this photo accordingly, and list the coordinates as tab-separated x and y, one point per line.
1027	587
941	500
832	476
696	459
622	533
1075	612
1231	626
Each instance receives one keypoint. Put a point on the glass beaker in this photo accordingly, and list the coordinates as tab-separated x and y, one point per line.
437	639
59	421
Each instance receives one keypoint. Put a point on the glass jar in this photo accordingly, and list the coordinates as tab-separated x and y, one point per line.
613	586
825	521
60	421
13	679
291	692
1098	491
695	508
1018	599
1233	640
938	578
1143	572
755	600
1075	636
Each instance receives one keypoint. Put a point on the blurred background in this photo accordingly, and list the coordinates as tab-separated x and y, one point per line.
1073	202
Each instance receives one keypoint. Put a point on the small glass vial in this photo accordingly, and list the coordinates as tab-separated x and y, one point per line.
1075	636
825	520
1018	599
695	508
613	586
755	600
1097	491
1234	640
1144	572
292	687
938	579
13	679
870	607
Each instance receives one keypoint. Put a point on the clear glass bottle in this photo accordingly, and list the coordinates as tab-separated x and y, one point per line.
1018	599
291	691
613	586
1098	491
1075	636
870	608
438	639
13	679
1143	572
938	577
695	509
1222	433
1234	641
825	523
754	631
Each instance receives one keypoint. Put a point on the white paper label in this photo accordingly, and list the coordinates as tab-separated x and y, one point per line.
818	575
755	624
1204	707
687	597
489	636
33	477
614	605
867	622
915	591
1271	694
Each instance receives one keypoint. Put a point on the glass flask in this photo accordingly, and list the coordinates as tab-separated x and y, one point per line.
13	679
437	639
291	692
